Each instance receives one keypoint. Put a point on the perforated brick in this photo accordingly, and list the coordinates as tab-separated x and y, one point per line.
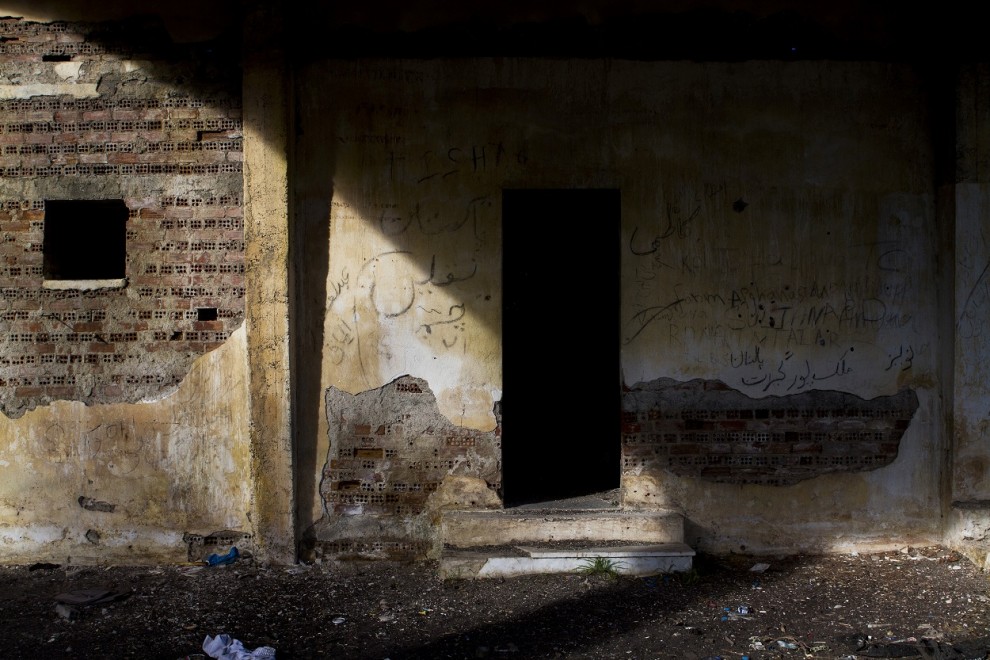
700	430
169	145
391	448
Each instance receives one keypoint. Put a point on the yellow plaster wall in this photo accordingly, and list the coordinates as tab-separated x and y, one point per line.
171	466
777	224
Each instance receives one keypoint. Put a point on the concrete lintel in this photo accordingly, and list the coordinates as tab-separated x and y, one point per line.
73	89
84	285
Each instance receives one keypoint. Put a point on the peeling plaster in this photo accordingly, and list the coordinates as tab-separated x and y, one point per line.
148	472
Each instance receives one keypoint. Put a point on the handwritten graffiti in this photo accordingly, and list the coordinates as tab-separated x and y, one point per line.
117	446
677	225
450	277
55	444
813	312
432	165
390	282
394	289
789	374
645	317
342	336
338	285
452	318
432	221
902	359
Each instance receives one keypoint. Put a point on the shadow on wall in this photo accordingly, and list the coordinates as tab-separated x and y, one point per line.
706	429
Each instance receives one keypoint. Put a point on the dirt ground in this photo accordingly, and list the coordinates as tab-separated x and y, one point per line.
918	602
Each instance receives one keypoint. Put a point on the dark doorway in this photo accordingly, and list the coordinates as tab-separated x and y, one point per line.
560	344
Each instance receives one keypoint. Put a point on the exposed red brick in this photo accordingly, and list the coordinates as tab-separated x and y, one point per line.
122	158
100	347
156	303
60	391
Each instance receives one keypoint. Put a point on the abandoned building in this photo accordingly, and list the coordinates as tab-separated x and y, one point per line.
277	277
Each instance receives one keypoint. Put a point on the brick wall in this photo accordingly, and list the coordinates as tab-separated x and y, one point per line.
116	111
391	448
706	429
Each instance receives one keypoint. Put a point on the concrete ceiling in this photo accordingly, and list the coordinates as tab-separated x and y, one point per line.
702	29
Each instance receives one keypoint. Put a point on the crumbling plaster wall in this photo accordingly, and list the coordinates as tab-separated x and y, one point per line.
116	112
778	238
125	482
123	410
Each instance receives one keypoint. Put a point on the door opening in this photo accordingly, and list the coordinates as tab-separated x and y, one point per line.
560	344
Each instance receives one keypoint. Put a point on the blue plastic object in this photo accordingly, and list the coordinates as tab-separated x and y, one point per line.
223	560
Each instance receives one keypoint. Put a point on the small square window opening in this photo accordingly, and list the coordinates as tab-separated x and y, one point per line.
85	240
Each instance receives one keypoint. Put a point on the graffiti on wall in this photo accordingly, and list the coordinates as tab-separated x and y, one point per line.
415	253
800	311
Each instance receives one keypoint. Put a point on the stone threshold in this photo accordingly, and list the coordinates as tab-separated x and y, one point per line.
530	559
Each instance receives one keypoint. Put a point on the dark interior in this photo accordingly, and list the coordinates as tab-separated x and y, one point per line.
561	383
85	239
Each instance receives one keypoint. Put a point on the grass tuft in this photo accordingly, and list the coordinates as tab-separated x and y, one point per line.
602	566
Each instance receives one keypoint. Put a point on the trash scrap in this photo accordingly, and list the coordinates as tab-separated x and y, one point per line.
223	560
67	604
43	566
734	614
759	568
225	647
66	611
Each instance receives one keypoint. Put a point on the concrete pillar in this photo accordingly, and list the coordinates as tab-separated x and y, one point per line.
969	521
266	98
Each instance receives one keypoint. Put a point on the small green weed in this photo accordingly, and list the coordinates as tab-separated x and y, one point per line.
602	566
690	576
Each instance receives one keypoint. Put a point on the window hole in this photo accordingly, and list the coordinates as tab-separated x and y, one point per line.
85	239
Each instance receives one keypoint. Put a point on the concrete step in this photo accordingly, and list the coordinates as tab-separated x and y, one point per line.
574	557
499	527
